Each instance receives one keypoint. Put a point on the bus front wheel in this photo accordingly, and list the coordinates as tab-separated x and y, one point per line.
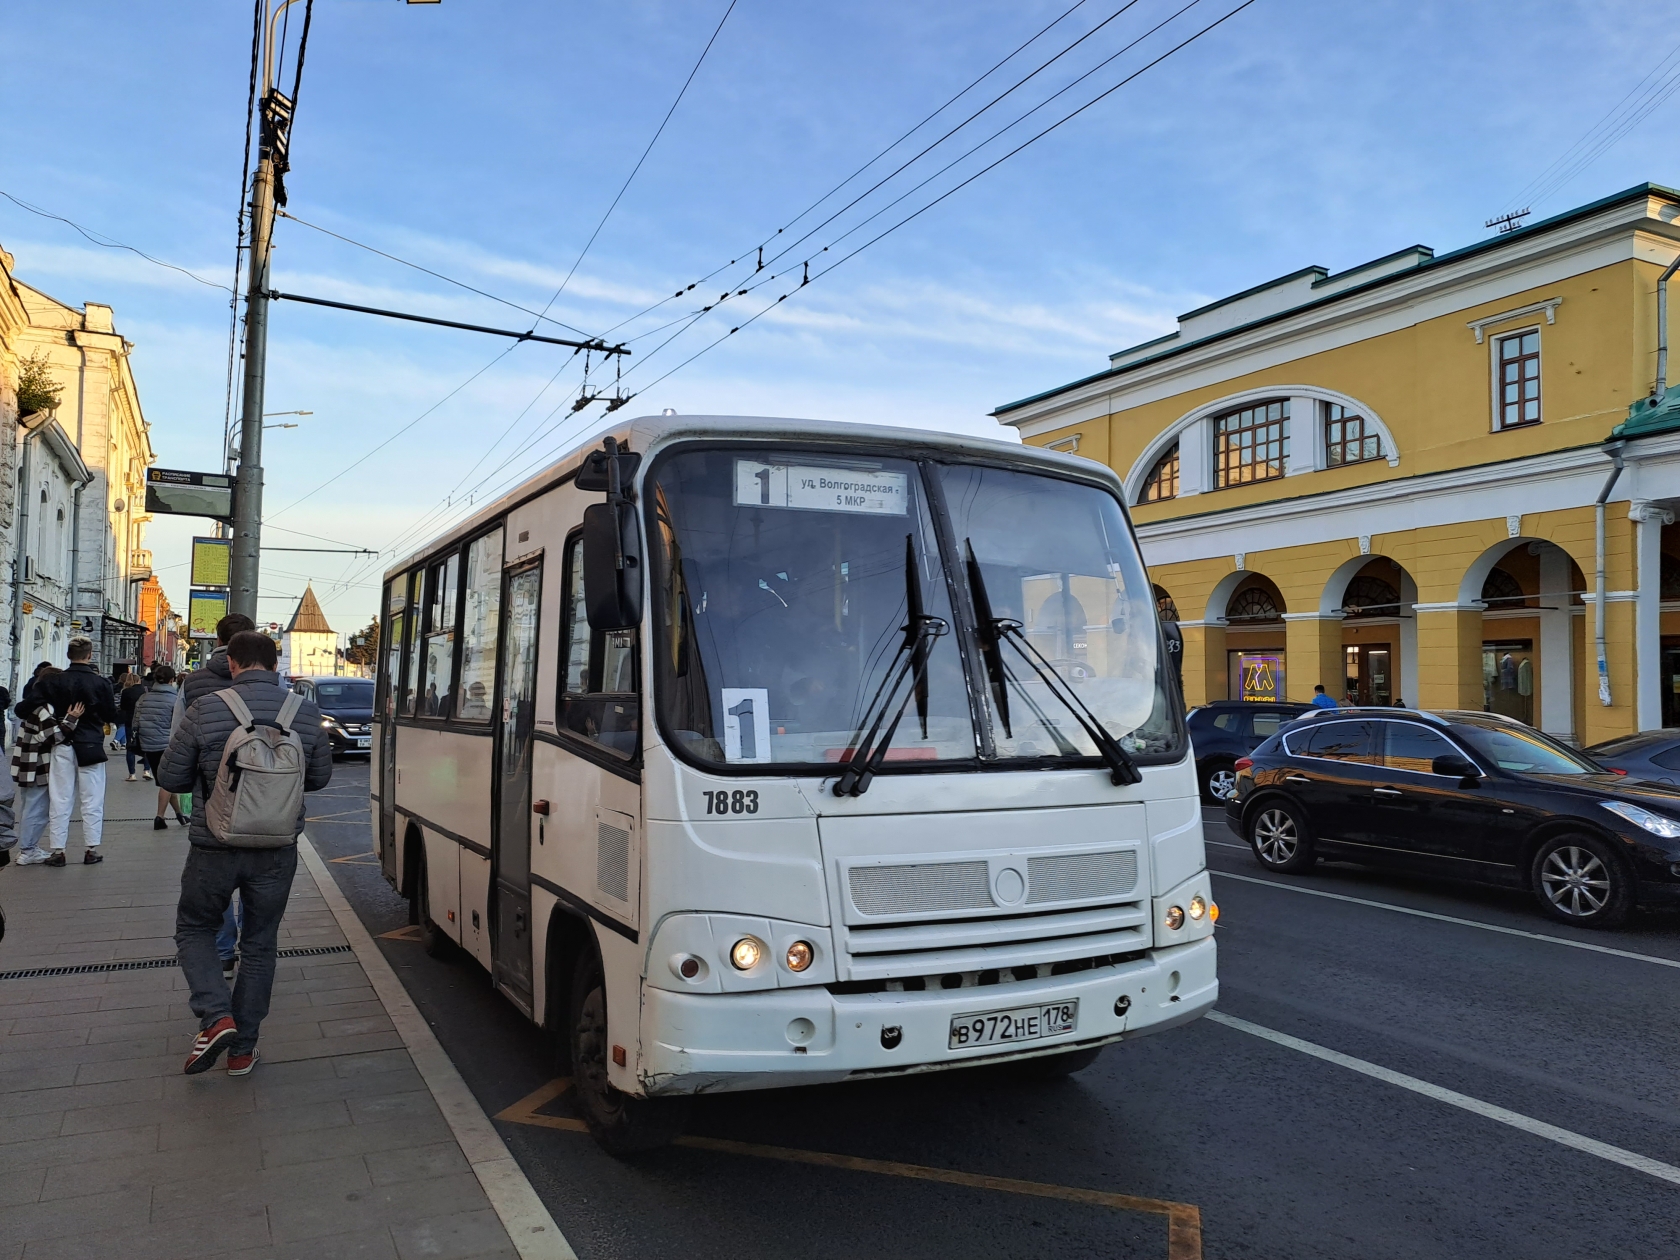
621	1124
433	939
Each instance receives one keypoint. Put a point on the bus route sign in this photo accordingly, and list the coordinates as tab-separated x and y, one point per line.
212	560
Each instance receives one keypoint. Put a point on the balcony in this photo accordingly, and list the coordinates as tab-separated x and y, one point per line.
139	565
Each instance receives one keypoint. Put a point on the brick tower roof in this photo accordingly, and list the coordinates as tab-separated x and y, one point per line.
309	618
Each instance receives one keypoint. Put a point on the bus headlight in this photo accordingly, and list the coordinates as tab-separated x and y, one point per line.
745	954
799	955
1175	918
1198	907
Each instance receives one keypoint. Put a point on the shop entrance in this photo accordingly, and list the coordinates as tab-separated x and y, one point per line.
1370	674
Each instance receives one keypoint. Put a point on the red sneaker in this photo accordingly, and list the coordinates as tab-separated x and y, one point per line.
209	1045
241	1064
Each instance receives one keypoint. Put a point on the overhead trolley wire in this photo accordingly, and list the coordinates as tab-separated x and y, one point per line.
659	131
1020	48
953	190
1639	102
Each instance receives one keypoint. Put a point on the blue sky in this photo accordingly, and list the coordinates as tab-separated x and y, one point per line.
485	139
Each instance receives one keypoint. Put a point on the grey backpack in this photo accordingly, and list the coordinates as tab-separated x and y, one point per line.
258	793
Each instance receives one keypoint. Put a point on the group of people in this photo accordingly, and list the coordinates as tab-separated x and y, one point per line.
181	728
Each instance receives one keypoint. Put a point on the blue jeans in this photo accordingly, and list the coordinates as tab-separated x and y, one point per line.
227	940
34	808
263	879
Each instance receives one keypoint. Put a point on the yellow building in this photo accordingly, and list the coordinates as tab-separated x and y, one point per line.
1388	480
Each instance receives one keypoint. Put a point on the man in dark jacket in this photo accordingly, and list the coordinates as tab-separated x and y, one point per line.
78	768
262	877
214	675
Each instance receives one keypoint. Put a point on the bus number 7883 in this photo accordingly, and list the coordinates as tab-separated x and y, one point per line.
736	802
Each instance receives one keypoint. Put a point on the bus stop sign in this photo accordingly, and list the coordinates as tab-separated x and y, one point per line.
179	493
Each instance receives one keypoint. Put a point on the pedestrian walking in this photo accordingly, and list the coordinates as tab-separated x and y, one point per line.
77	777
193	685
154	712
40	730
244	837
130	691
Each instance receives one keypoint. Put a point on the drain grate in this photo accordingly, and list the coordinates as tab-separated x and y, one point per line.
149	964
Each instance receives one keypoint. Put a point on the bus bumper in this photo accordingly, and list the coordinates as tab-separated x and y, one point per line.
713	1042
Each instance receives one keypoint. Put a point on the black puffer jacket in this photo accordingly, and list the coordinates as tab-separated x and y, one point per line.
195	749
83	682
212	676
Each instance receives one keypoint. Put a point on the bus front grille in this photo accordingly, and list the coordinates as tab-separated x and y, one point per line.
906	950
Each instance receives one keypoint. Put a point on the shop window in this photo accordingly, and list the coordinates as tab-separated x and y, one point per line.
1670	582
1251	444
1519	379
479	628
1508	679
1348	439
1257	677
1162	482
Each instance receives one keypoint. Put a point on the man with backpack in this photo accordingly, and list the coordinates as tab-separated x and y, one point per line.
248	752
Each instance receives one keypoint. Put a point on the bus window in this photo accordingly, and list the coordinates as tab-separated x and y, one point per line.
598	699
396	618
438	655
411	622
479	628
1057	558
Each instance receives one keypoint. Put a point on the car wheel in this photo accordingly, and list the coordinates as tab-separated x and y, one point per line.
1279	837
1219	781
622	1124
1052	1067
1580	880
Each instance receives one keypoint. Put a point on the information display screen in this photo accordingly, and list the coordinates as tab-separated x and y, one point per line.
204	610
211	561
174	491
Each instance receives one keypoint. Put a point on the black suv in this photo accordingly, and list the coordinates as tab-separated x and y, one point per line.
1471	795
1225	730
346	706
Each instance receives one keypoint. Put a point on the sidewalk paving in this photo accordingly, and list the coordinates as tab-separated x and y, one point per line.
333	1147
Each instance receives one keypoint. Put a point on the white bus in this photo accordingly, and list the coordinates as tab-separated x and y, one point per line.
748	753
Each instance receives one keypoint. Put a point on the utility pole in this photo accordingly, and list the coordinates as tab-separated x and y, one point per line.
275	117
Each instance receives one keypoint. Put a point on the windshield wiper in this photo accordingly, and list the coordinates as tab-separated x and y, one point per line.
910	661
994	632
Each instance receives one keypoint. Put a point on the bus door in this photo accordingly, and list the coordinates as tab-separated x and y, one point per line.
397	604
511	912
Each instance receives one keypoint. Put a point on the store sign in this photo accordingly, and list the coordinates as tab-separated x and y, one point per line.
1262	677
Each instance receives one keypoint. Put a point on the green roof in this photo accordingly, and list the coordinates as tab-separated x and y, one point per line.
1649	417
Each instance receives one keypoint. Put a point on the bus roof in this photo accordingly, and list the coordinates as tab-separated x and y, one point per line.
647	433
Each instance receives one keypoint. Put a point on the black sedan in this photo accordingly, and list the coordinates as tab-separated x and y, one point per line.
1653	755
1225	730
346	706
1469	795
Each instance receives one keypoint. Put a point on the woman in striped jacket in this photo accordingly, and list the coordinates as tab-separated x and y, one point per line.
41	731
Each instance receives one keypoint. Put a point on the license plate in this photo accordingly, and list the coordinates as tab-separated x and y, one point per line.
1022	1023
364	741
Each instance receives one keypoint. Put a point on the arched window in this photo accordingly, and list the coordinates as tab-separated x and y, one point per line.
1251	444
1370	597
1501	590
1164	604
1347	438
1254	604
1162	482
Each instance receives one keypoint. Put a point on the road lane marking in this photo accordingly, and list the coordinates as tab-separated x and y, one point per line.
409	933
355	859
1447	918
1539	1128
1184	1220
343	813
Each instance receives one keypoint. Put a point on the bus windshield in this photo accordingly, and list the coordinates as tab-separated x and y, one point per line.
786	580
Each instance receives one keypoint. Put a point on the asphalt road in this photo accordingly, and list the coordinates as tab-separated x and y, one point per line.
1397	1084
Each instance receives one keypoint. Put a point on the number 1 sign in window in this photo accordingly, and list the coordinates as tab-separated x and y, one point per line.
1519	379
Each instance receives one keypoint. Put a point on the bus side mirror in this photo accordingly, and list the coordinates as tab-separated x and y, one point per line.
612	566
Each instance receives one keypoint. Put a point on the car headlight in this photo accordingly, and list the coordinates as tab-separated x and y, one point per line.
1656	824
